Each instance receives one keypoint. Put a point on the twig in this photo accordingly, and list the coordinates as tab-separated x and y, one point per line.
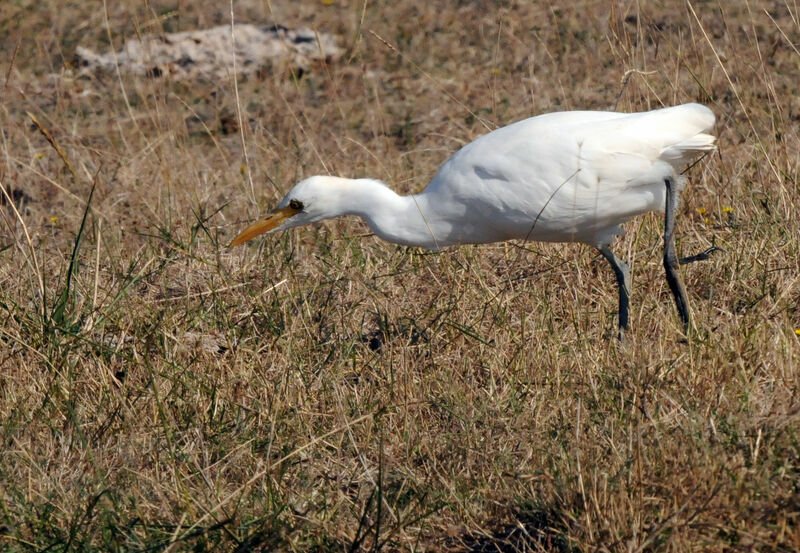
11	66
54	144
239	112
433	80
35	263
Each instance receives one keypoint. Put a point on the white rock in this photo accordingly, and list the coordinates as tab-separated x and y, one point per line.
208	52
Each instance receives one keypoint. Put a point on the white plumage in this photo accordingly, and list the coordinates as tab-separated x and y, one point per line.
573	176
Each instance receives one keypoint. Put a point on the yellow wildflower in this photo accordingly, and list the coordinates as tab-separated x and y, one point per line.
701	210
727	209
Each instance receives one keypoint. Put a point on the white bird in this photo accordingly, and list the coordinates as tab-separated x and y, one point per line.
573	176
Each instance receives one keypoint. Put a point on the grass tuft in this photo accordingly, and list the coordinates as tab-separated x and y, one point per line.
320	390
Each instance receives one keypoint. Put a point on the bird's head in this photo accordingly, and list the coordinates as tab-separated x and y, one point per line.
310	200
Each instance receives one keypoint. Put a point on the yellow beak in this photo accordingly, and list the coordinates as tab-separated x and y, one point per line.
272	221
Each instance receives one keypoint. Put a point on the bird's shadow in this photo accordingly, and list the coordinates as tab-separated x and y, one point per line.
532	530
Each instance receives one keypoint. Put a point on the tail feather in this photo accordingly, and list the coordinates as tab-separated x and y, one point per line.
682	131
686	150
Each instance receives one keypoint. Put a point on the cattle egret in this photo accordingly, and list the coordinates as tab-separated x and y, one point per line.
573	176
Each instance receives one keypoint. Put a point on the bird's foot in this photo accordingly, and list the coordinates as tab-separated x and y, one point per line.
700	256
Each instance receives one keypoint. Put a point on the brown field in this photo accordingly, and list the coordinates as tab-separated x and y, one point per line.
321	390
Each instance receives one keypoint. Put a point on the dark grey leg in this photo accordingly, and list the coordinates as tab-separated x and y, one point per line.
670	259
623	274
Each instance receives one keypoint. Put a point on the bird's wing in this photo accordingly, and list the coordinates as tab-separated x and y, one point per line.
675	134
642	148
622	164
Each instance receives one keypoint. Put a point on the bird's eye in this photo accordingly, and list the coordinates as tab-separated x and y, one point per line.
296	204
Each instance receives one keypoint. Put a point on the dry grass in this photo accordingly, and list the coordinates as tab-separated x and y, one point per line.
321	390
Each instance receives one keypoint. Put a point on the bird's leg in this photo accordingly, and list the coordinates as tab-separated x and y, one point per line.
671	263
623	274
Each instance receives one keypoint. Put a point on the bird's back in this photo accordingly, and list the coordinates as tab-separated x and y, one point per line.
564	176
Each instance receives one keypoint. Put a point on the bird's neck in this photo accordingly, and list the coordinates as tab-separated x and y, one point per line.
392	217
